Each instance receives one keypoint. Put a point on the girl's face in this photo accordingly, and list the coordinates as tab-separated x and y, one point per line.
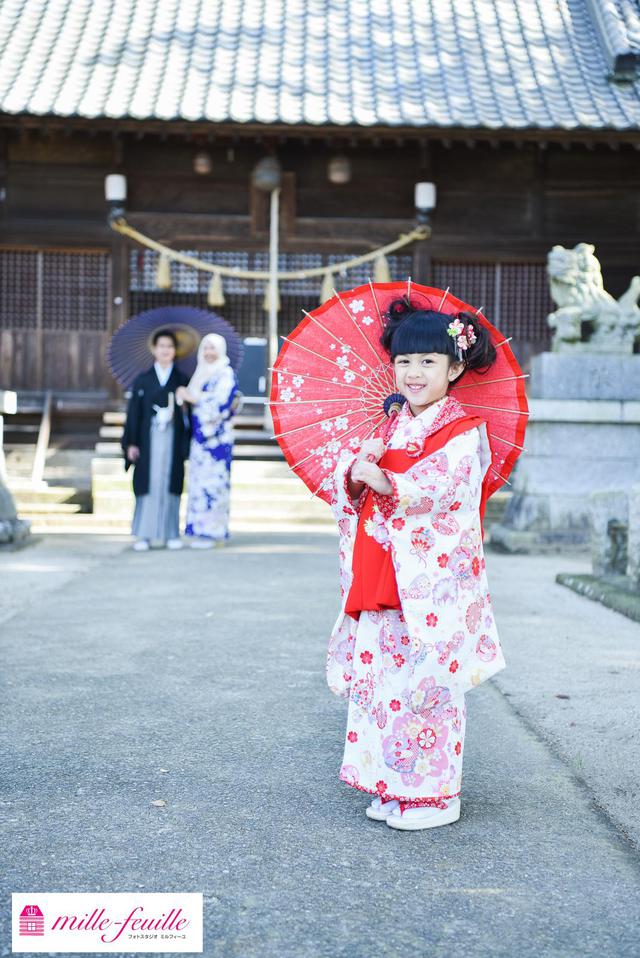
424	378
210	353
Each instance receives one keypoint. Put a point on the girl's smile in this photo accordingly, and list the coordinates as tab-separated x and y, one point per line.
424	378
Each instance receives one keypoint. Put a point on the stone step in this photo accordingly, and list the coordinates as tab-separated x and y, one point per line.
242	469
47	509
108	449
249	420
256	485
268	491
123	503
110	432
82	523
66	467
253	450
24	493
247	434
104	525
21	429
267	512
114	418
270	451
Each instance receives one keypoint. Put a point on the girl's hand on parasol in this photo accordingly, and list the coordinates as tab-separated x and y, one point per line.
371	475
372	450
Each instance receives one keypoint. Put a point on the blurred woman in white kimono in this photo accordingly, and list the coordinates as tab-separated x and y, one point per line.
213	393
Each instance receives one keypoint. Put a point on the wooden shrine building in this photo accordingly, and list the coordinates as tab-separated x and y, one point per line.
524	114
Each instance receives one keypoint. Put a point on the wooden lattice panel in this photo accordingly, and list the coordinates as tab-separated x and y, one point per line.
54	290
75	291
19	301
514	296
525	301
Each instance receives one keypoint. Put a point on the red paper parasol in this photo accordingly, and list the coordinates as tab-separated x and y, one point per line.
332	377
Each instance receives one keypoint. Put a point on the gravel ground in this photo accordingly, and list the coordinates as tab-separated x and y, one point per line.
198	678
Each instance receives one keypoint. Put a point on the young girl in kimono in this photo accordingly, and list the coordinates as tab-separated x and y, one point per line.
416	631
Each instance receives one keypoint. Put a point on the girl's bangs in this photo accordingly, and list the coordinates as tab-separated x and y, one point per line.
423	332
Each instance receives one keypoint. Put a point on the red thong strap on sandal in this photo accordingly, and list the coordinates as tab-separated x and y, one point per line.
424	803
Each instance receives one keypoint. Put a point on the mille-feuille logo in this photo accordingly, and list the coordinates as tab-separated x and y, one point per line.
31	921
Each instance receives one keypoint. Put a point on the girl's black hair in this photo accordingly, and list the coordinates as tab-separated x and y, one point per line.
409	329
167	334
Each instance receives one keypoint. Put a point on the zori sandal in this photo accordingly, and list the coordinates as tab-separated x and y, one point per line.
413	818
379	811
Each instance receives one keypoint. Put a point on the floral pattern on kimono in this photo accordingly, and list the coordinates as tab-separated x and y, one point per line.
398	745
210	458
431	524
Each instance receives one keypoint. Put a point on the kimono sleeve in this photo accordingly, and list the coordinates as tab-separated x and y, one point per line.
341	642
131	435
345	511
437	482
340	499
432	518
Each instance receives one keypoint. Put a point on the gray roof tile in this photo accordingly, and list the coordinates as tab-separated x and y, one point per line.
447	63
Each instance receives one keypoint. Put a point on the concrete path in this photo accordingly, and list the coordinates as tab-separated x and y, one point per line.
197	678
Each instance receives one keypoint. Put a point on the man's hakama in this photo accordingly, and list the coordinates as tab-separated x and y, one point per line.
157	514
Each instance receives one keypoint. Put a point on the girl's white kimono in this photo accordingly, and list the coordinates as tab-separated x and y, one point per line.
405	672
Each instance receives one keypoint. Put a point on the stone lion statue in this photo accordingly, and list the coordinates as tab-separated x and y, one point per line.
588	318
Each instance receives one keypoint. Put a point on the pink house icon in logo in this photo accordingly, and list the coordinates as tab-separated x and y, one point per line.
31	921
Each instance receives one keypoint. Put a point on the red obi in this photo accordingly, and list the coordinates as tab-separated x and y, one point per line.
374	585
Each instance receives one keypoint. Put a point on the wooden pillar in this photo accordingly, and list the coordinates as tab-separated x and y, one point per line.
118	292
422	272
39	335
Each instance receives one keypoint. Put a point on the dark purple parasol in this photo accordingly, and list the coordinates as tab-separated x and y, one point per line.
129	352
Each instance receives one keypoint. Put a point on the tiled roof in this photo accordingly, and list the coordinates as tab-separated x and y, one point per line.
618	26
414	63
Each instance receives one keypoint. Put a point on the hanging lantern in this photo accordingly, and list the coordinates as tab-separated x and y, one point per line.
267	174
339	170
202	163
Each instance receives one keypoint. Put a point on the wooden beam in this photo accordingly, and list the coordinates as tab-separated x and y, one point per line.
299	131
44	434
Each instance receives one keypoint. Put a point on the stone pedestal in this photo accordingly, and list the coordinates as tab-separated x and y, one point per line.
12	529
583	436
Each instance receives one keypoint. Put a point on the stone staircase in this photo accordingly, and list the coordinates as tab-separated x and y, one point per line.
87	490
264	495
65	491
